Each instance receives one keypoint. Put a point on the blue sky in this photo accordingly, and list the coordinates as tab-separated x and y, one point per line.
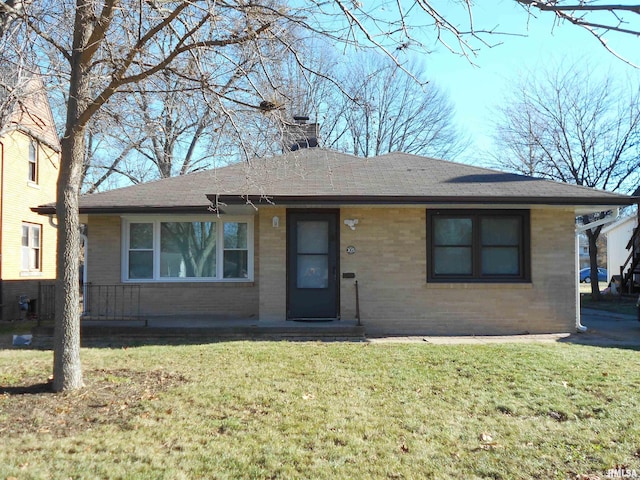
475	89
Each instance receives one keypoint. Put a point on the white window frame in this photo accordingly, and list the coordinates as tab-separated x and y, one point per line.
33	148
30	247
156	221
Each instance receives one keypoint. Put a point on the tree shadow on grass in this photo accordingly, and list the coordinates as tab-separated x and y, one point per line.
34	389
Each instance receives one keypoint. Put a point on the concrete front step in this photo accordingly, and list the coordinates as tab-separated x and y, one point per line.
113	333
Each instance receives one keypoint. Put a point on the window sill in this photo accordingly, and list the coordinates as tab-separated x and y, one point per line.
480	286
26	273
191	283
33	185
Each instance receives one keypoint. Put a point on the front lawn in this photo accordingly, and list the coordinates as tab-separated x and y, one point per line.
325	411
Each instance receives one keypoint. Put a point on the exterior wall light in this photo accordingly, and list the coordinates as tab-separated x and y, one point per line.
351	223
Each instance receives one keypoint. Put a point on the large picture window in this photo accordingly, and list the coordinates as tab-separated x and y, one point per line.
481	245
182	249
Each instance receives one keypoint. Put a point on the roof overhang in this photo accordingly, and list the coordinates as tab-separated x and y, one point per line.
581	206
234	209
247	204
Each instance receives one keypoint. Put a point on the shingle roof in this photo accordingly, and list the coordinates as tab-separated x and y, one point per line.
323	176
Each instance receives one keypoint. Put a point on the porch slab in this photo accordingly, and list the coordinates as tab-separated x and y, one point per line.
194	329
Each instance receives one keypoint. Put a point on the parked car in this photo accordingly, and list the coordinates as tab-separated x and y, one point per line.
585	275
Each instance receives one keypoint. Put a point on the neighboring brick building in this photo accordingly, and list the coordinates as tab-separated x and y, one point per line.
29	159
436	247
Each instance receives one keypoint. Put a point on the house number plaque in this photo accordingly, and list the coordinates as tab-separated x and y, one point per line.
351	249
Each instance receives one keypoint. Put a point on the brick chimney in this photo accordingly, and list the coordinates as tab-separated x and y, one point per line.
299	134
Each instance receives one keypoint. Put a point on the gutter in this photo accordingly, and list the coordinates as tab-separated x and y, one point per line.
112	208
421	200
125	210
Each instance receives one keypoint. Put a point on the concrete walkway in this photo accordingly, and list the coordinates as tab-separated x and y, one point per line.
608	329
475	339
603	329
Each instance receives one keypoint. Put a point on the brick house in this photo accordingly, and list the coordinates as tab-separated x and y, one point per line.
29	158
435	247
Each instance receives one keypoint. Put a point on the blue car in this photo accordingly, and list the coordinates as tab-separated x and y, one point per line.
585	275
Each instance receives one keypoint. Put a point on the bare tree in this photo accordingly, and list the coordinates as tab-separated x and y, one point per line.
15	75
574	126
14	90
387	110
186	127
161	129
599	18
367	107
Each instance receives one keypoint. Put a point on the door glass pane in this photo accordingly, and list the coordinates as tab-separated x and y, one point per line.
188	249
140	264
452	231
500	231
141	236
452	260
313	236
500	261
313	271
235	235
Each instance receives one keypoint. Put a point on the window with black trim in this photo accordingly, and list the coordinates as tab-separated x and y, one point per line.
478	246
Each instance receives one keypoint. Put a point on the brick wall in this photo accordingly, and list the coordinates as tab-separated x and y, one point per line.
18	196
391	269
272	258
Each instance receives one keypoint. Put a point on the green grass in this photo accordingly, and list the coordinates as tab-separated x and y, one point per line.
326	411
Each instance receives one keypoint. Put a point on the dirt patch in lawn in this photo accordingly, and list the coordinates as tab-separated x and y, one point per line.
109	397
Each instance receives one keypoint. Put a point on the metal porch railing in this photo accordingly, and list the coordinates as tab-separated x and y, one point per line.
111	302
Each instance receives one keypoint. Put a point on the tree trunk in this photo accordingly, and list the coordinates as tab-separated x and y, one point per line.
592	235
67	371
